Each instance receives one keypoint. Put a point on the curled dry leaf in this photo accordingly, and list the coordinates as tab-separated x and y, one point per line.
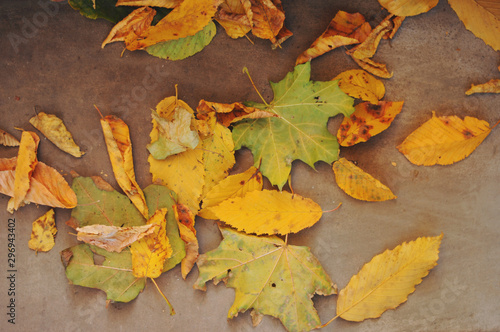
268	18
235	16
7	139
387	280
131	27
375	68
358	184
358	83
116	134
25	165
269	212
113	238
397	21
492	86
54	129
228	113
408	7
151	3
367	120
344	29
480	17
185	221
369	46
43	232
444	140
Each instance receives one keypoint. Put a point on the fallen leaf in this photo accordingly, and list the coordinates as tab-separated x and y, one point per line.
54	129
375	68
387	280
344	29
184	20
267	19
117	137
150	252
480	17
235	16
182	48
228	113
359	84
47	186
185	221
7	139
233	186
114	276
113	238
269	276
103	9
269	212
492	86
369	46
300	132
408	7
397	21
151	3
359	184
131	27
444	140
43	232
25	165
367	120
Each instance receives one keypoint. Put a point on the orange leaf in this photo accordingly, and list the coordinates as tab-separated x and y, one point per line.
185	221
367	120
268	18
229	113
7	139
492	86
131	27
235	16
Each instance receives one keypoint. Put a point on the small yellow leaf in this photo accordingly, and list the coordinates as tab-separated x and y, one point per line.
151	3
367	120
150	252
116	134
269	212
268	18
359	184
25	165
7	139
233	186
235	16
43	232
387	280
131	27
358	83
444	140
54	129
408	7
113	238
492	86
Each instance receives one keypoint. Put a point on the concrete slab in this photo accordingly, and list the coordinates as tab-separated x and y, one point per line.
61	67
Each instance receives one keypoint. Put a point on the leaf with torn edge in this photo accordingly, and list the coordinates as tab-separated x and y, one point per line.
25	165
43	232
367	120
359	184
387	280
269	276
269	212
444	140
185	221
492	86
114	276
117	137
54	129
7	139
113	238
228	113
131	27
359	84
408	7
236	185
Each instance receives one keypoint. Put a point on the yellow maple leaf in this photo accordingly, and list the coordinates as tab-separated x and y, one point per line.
131	27
42	232
54	129
269	212
358	83
150	252
367	120
387	280
444	140
492	86
187	232
25	165
236	185
7	139
117	137
408	7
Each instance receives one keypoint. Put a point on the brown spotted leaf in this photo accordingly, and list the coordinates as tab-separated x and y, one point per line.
43	232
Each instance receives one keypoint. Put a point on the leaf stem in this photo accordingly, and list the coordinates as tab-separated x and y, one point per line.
172	311
496	124
245	70
333	209
328	323
98	111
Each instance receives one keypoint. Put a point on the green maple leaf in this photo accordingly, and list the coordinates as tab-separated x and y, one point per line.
300	131
269	276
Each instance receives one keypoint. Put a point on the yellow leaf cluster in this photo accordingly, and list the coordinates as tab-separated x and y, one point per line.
43	232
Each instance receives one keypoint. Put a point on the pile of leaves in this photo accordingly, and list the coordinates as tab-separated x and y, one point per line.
144	232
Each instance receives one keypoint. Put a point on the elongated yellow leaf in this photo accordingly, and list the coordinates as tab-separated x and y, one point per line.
369	46
481	17
116	134
150	252
152	3
269	212
375	68
236	185
408	7
42	232
492	86
358	83
189	238
54	129
358	184
444	140
25	165
387	280
7	139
